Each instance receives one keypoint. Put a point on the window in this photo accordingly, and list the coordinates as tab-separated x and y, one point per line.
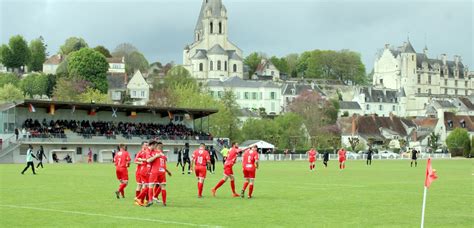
394	108
380	107
367	107
211	93
465	92
134	93
272	95
465	84
419	79
419	90
219	94
220	27
211	66
456	92
219	65
273	73
445	91
234	68
143	94
455	82
381	81
412	58
429	91
211	28
429	79
246	96
116	95
201	66
225	65
445	82
260	96
254	96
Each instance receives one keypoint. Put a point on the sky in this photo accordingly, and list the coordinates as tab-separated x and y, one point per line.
160	29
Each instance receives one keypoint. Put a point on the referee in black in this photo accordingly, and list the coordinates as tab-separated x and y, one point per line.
369	156
414	157
40	155
213	155
325	159
186	158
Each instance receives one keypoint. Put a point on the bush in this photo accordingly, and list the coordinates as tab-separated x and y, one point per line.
458	142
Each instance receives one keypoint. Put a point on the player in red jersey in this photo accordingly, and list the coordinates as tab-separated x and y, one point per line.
312	153
157	180
145	173
122	162
342	158
228	172
199	162
249	166
140	165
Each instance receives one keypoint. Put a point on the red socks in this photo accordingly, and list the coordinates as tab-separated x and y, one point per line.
314	166
121	189
232	185
246	183
218	185
137	193
163	195
310	167
250	190
157	191
143	194
200	186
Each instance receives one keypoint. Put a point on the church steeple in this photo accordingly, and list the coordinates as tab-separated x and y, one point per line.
212	19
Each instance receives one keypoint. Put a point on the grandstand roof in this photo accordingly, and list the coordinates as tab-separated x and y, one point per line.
163	111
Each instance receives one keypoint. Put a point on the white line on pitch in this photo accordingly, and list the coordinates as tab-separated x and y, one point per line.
109	216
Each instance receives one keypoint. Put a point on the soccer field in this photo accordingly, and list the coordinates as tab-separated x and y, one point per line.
386	194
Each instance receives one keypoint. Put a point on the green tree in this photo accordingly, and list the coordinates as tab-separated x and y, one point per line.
103	50
354	141
16	54
135	61
124	50
94	95
35	84
281	64
260	129
38	54
458	141
72	44
91	66
290	126
9	78
433	141
51	84
178	75
252	62
9	93
292	61
68	89
229	101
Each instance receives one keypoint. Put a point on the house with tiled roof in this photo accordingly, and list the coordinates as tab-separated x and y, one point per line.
378	101
116	65
290	90
420	76
52	63
266	71
212	55
451	121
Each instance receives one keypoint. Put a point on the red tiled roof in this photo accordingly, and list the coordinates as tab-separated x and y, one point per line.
54	60
371	125
457	119
426	122
115	60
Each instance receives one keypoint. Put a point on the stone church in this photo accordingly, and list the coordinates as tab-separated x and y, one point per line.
212	55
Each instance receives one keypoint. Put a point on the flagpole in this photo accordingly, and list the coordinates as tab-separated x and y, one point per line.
423	208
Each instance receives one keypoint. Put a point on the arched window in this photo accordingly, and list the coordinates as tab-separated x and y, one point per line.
211	66
201	67
218	65
220	27
211	28
234	68
225	65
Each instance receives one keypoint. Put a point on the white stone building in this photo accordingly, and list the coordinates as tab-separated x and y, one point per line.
266	71
212	55
420	76
250	94
381	102
52	63
138	89
116	65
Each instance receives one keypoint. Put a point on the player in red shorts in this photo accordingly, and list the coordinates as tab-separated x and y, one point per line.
228	172
122	162
250	166
342	158
199	162
312	153
145	173
157	180
140	165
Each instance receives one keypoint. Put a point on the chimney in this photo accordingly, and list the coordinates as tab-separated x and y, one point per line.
457	59
391	116
414	136
123	59
373	117
443	58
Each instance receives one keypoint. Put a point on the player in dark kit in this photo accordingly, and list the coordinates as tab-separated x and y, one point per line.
369	156
414	157
179	152
40	155
325	159
186	158
213	154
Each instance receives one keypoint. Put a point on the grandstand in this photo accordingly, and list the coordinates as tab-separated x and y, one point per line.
69	128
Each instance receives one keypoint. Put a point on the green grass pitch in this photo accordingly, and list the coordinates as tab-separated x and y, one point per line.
387	194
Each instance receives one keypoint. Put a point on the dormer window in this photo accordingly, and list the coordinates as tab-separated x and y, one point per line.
462	123
380	99
293	91
450	123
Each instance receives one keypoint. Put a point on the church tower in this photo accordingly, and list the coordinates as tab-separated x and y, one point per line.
212	55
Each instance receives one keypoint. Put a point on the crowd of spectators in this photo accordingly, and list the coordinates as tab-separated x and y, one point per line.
110	130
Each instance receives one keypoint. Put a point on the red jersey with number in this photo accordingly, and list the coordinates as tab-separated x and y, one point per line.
201	157
122	159
342	154
231	157
249	159
155	164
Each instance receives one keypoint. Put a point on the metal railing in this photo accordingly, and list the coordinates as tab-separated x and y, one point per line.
304	157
